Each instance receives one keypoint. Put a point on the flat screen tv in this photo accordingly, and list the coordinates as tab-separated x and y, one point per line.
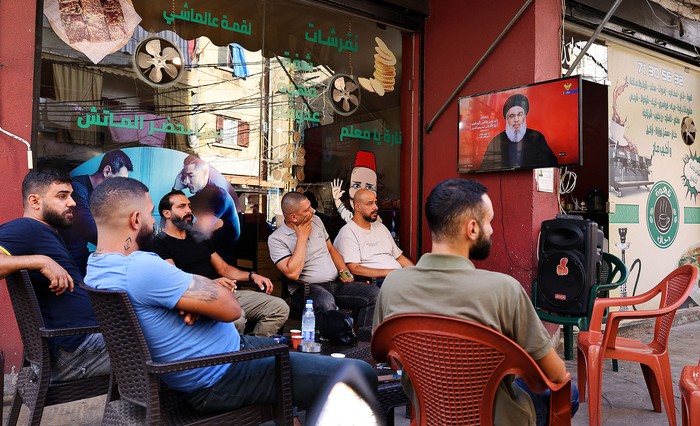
527	127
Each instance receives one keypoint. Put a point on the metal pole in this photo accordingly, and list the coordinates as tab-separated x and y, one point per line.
429	126
605	20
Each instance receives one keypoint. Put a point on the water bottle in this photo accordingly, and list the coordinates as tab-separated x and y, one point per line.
308	323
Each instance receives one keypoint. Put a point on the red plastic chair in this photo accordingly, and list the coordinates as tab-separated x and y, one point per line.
594	345
690	395
456	366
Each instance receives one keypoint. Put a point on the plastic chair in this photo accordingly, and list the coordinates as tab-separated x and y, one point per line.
595	345
147	401
455	367
690	395
614	274
34	388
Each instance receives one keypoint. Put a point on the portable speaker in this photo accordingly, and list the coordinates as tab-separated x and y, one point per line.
570	254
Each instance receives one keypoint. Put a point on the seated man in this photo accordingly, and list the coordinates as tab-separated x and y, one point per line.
160	292
366	245
445	282
192	252
32	242
301	249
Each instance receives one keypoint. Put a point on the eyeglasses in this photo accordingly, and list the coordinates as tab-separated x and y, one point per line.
512	116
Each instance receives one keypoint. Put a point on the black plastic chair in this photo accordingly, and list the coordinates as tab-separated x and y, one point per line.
35	389
613	274
145	400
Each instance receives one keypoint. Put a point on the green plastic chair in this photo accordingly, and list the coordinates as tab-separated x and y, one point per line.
613	274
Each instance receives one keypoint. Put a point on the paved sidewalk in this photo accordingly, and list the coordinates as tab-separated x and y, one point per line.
625	398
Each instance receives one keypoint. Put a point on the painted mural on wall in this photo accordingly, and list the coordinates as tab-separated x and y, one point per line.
161	170
654	166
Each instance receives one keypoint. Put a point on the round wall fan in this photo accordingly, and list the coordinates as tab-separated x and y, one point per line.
158	62
344	94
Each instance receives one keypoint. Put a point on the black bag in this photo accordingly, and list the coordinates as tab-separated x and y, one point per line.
336	327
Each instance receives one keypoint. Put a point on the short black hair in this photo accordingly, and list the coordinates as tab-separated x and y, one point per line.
165	203
115	160
113	192
38	181
449	202
290	200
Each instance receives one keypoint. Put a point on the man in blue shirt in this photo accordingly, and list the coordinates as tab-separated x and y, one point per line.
33	243
185	315
114	163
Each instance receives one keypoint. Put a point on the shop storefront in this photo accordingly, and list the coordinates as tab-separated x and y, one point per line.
274	96
650	176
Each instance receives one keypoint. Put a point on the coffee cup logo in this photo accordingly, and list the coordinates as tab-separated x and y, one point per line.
662	214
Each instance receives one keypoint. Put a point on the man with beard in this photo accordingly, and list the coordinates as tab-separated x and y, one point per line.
192	252
160	292
213	206
33	243
366	244
302	251
517	146
445	282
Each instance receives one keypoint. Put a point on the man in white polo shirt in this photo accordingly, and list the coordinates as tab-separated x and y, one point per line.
366	245
302	251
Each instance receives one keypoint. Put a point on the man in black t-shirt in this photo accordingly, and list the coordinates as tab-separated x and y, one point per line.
192	252
33	243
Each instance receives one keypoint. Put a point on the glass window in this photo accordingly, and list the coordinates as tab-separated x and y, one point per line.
274	95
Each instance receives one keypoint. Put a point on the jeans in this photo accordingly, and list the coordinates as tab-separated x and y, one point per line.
541	401
354	295
253	382
267	313
90	359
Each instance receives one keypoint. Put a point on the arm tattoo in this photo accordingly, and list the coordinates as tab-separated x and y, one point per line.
202	289
127	243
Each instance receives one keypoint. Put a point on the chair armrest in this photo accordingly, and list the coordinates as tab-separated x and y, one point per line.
601	304
533	293
614	319
605	287
224	358
560	403
73	331
559	398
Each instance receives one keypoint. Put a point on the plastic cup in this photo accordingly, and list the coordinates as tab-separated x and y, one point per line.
296	339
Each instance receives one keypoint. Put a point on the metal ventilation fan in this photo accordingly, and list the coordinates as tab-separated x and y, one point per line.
344	94
158	62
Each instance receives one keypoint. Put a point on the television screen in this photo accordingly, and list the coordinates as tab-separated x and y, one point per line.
528	127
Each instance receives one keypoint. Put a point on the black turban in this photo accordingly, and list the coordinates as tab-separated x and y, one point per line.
516	100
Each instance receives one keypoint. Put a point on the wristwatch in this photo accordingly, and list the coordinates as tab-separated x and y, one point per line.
250	275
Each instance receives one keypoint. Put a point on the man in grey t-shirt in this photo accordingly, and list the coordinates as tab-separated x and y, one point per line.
302	251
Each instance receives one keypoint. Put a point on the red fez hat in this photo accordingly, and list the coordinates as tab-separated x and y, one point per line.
365	159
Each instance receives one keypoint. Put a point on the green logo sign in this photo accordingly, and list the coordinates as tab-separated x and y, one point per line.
662	214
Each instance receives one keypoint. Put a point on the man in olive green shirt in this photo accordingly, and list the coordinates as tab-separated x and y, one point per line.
445	282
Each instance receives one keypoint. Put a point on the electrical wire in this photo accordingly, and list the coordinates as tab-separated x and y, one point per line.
29	146
639	273
567	183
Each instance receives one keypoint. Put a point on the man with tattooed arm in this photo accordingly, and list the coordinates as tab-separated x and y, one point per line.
185	315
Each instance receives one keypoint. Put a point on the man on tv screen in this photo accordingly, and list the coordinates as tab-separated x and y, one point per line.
517	146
